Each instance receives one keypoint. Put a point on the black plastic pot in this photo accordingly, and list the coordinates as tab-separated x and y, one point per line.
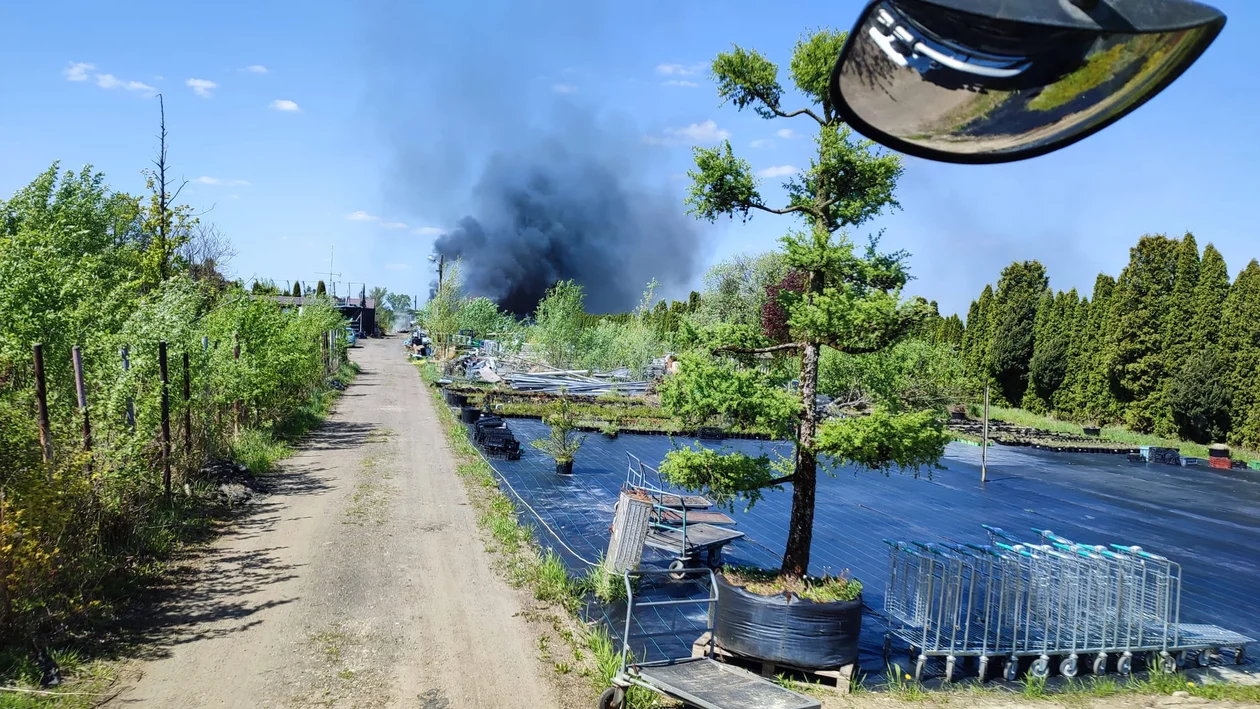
458	400
1091	430
785	631
565	468
610	436
469	414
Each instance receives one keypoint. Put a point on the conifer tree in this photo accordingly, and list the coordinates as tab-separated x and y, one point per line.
1097	401
1135	336
977	338
1068	399
1240	344
1209	299
1013	321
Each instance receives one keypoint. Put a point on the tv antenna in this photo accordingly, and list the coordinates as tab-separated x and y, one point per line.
332	276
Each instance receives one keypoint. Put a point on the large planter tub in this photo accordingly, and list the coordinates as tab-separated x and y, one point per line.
793	632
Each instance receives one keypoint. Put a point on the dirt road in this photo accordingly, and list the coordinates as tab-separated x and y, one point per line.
359	582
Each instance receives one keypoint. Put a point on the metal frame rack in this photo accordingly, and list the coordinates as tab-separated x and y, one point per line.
1044	604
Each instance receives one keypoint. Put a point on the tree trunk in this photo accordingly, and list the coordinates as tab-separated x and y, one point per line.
804	477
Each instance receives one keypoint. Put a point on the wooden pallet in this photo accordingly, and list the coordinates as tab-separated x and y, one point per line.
837	680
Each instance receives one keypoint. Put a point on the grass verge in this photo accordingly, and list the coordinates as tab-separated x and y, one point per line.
1113	434
524	564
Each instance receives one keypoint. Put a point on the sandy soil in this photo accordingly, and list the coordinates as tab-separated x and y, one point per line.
361	581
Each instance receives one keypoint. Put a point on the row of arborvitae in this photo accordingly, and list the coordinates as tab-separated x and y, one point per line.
107	271
1170	347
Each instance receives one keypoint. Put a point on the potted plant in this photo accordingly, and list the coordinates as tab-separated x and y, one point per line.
564	441
830	293
818	620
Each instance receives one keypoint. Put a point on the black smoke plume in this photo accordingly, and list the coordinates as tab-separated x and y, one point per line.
541	184
552	213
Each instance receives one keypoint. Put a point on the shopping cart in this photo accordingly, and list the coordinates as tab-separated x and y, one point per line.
682	526
1044	604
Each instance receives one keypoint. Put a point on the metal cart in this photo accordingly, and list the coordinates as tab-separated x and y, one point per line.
697	681
1047	604
681	525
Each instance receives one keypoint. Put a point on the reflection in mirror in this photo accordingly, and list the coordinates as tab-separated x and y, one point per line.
983	90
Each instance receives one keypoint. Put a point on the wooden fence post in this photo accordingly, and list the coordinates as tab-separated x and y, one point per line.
236	405
166	419
187	408
80	388
131	402
41	404
205	351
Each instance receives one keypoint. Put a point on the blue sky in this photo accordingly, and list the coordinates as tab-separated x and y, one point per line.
292	123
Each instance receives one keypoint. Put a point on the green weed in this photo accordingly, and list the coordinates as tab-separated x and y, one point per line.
902	686
259	451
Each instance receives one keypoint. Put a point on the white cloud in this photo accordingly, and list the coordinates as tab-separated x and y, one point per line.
564	89
362	217
778	171
78	71
396	267
393	225
704	132
109	81
201	87
207	180
787	133
679	69
679	82
256	69
281	104
761	143
234	196
428	231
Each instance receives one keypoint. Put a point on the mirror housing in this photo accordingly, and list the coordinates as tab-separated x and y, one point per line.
992	81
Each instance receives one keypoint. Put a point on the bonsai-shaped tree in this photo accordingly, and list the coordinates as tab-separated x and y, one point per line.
564	441
846	299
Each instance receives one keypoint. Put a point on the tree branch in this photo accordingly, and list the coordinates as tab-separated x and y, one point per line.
774	106
779	481
785	210
799	112
761	350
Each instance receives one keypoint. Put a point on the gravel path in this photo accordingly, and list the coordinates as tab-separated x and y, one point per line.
359	582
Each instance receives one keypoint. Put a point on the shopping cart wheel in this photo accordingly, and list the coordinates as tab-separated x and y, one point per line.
1239	655
984	669
1069	666
1011	670
612	698
1203	658
887	647
678	566
1124	664
1040	667
950	661
1100	663
918	668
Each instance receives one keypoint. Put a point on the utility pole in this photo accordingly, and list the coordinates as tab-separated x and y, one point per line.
984	440
441	262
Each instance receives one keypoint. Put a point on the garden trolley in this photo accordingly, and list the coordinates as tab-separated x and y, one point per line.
682	526
696	681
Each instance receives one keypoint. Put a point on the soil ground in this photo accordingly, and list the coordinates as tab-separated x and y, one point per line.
361	581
